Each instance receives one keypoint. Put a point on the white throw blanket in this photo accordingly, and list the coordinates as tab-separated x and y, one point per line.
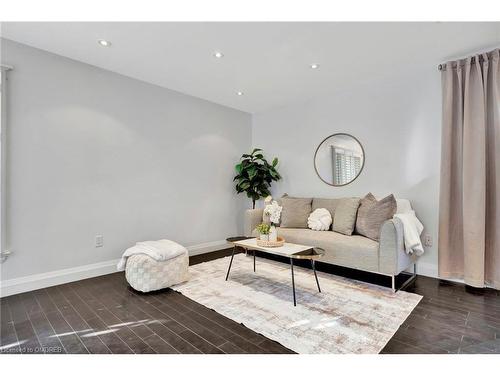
412	228
158	250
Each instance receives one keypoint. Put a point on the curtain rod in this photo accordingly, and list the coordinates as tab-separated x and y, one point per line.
473	58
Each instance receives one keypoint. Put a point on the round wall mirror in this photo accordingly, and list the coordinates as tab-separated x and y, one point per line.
339	159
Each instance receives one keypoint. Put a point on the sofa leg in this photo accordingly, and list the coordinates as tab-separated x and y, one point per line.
393	278
412	277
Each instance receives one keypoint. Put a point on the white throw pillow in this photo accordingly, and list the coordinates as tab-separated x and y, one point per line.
319	219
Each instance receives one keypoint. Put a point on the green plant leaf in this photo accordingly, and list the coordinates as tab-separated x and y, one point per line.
275	162
245	185
252	173
243	181
256	150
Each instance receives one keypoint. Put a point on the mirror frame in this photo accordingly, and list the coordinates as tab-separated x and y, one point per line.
362	167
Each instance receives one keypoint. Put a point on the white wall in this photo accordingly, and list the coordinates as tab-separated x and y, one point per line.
398	121
92	152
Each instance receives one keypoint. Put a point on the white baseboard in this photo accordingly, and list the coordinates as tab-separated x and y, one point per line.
431	270
47	279
208	247
427	269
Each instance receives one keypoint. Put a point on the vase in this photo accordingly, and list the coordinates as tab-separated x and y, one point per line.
273	234
264	237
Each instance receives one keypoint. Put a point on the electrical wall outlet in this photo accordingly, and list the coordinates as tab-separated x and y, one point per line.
99	240
428	240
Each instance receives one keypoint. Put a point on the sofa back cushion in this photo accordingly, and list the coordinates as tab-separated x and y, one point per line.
295	212
344	219
373	213
329	204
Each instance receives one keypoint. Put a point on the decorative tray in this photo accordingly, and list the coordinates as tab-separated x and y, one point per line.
266	243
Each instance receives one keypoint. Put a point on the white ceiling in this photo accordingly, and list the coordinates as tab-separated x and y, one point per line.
269	62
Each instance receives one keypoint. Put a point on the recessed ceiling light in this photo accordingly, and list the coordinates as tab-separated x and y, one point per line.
104	43
239	93
314	66
218	54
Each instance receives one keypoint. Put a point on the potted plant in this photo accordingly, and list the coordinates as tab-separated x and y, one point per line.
254	175
263	230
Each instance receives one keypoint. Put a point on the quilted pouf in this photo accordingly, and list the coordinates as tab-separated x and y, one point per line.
145	274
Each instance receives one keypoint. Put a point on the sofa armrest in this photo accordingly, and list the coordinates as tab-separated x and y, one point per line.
252	219
392	255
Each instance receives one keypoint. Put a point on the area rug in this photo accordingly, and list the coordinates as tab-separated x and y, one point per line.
348	316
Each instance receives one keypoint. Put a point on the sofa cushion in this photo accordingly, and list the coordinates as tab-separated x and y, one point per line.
373	213
348	251
329	204
344	219
295	212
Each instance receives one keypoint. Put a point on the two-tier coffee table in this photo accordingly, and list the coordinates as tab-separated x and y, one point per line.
289	250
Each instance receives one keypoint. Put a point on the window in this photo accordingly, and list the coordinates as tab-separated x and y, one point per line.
346	165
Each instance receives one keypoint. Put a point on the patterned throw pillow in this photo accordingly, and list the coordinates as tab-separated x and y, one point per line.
373	213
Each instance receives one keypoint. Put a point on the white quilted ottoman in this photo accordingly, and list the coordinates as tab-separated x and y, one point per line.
145	274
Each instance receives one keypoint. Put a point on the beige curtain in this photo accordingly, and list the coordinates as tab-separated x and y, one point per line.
469	221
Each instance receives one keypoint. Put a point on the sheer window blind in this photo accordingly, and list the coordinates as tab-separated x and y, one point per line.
346	166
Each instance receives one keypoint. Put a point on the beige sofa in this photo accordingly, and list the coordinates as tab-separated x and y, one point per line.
387	257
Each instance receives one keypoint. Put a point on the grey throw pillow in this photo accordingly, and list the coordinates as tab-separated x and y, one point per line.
344	219
373	213
329	204
295	212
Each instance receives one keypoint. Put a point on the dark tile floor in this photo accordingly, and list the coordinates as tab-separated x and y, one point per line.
103	315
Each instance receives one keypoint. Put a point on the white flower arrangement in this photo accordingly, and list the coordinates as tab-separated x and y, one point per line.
273	210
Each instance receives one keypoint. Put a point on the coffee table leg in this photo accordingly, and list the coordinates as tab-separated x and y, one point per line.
230	263
254	261
293	282
316	276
